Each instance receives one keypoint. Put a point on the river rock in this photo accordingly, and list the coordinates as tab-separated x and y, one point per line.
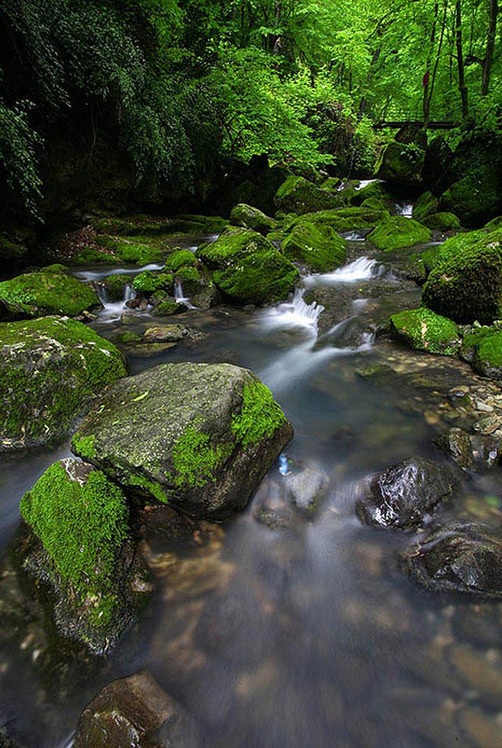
315	246
298	195
425	330
50	291
251	218
460	558
79	549
197	436
50	369
135	712
401	164
403	495
397	232
248	269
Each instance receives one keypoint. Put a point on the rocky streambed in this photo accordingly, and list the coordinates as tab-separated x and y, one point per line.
354	602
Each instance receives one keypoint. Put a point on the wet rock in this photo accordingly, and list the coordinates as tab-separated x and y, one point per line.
396	232
404	495
307	489
315	246
247	268
470	450
298	195
271	508
80	549
483	730
50	369
251	218
115	286
135	712
209	297
461	558
482	348
424	330
197	436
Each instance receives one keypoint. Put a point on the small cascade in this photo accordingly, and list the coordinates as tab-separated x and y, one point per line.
354	236
404	209
112	310
296	313
180	297
97	275
365	182
361	269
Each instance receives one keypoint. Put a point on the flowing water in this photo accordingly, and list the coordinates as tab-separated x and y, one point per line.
289	627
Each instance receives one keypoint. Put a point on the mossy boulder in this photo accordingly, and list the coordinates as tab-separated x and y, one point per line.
424	330
482	348
132	251
115	286
179	259
49	291
315	246
168	307
396	232
340	219
465	283
190	279
331	184
247	268
426	205
495	223
148	282
374	191
401	164
298	195
442	222
248	217
475	197
50	369
199	437
84	553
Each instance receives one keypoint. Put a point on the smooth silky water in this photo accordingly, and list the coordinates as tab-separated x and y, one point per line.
302	635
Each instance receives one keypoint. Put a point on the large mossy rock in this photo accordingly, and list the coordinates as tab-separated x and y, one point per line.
315	245
482	348
197	436
396	232
341	219
80	549
50	369
465	283
404	495
50	291
436	169
248	217
401	164
424	330
463	558
442	222
298	195
426	205
248	269
375	190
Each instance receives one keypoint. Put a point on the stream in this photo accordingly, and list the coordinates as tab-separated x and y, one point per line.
293	627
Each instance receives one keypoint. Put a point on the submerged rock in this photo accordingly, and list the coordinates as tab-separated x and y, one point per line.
80	550
50	369
465	283
460	558
251	218
248	269
50	291
403	495
136	712
396	232
298	195
197	436
424	330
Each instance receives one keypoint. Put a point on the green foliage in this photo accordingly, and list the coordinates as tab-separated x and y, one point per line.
19	159
82	526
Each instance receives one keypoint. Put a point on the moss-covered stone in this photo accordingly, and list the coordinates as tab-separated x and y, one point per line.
204	454
424	330
395	232
340	219
247	268
115	285
149	282
167	308
466	281
180	258
482	348
49	292
93	256
377	191
81	520
251	218
442	222
401	164
315	246
331	184
426	205
495	223
133	252
298	195
50	368
475	197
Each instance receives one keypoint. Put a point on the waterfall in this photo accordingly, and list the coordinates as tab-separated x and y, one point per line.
404	209
361	269
296	313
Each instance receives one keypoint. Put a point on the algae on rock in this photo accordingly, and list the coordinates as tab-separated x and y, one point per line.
424	330
397	232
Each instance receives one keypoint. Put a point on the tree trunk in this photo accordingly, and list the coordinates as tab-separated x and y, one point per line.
490	46
460	61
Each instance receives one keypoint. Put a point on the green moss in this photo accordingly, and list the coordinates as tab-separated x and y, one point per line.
85	446
298	195
331	184
316	246
376	192
260	415
340	219
247	268
475	197
426	205
465	283
180	258
195	460
151	488
115	285
424	330
49	293
495	223
401	164
82	526
130	250
397	232
252	218
442	222
149	282
91	256
482	347
167	308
